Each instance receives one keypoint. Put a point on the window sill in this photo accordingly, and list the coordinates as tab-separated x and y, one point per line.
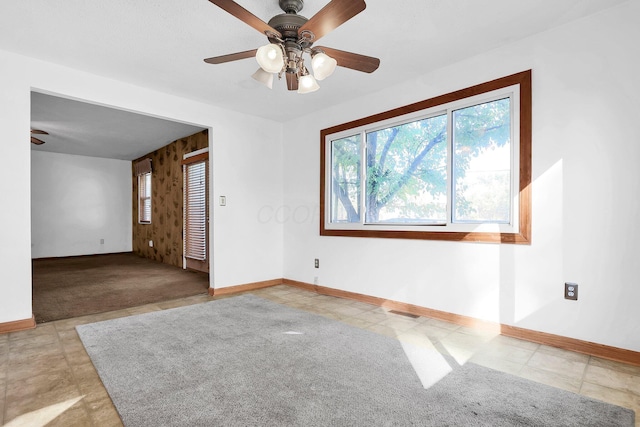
513	238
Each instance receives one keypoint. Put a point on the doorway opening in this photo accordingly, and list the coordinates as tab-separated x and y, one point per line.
82	206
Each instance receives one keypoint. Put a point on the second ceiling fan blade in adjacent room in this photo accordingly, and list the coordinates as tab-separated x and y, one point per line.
37	141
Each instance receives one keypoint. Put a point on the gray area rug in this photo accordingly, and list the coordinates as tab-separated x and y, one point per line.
246	361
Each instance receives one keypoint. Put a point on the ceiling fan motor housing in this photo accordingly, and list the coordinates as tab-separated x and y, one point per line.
291	6
287	24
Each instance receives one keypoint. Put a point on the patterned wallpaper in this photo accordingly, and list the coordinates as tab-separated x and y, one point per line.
165	229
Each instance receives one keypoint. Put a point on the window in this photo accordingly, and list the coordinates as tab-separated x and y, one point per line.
142	169
144	198
455	167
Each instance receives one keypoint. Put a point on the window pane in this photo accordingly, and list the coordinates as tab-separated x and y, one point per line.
144	204
407	173
145	215
345	173
482	163
147	185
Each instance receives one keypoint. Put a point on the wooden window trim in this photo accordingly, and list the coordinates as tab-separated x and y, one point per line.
523	236
195	159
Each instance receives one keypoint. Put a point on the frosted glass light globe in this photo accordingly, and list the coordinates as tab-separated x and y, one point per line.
323	65
270	58
307	84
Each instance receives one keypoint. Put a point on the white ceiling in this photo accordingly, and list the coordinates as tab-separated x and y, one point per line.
161	44
85	129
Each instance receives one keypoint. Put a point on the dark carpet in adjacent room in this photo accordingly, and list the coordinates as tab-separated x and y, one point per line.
77	286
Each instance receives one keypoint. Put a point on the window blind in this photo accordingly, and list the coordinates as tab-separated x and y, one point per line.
142	167
144	199
195	210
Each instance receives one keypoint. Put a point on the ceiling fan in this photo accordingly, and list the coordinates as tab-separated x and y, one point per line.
290	36
35	140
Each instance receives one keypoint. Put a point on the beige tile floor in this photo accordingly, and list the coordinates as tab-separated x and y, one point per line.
46	377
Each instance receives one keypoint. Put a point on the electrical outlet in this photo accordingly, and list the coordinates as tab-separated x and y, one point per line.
316	263
315	280
223	200
102	241
571	291
150	243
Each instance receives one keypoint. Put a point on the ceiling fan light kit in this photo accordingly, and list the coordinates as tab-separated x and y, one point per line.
263	77
291	36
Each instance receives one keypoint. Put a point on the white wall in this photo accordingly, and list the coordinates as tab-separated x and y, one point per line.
586	182
246	167
15	201
76	201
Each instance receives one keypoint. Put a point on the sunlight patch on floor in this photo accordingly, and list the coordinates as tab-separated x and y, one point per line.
463	346
460	354
43	416
429	364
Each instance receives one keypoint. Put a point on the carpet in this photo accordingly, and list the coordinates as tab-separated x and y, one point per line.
246	361
77	286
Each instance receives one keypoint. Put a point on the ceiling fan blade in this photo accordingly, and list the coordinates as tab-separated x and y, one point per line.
355	61
36	141
231	57
292	81
245	16
330	17
39	132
